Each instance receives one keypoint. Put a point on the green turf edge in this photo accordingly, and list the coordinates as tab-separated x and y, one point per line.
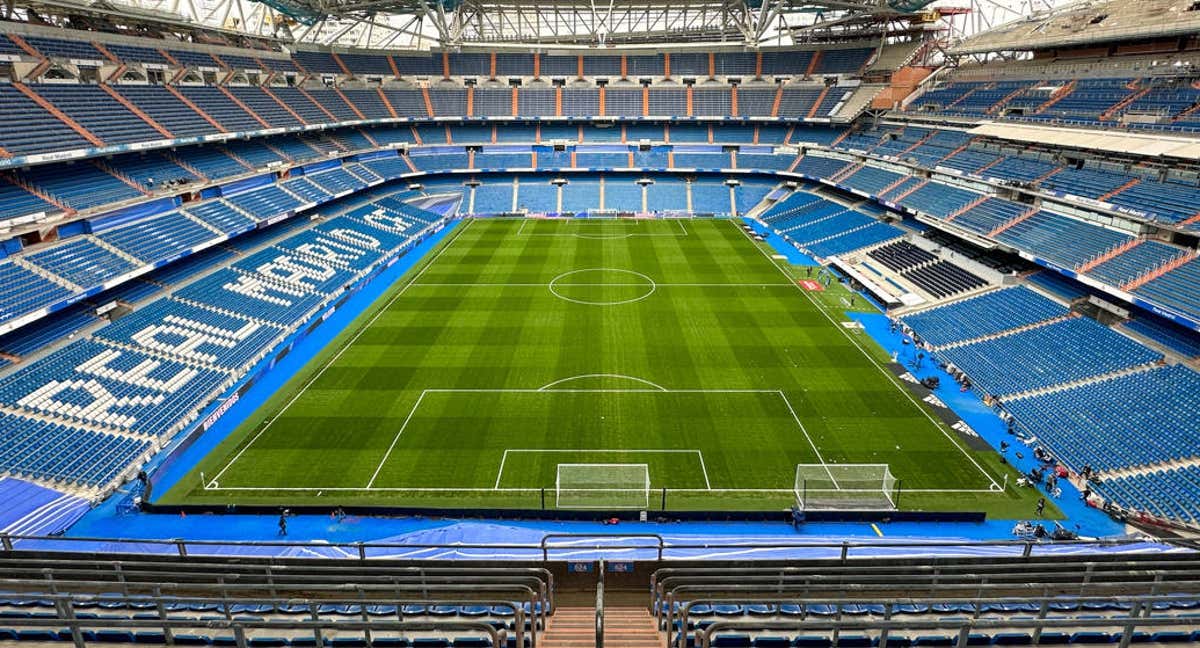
1013	504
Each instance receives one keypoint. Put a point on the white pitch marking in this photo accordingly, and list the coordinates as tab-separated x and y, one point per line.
657	386
872	360
605	237
806	436
396	438
618	302
338	355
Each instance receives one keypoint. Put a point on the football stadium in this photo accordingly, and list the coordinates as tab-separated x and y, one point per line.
689	324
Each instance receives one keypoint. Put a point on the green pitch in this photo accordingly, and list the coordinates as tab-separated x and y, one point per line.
519	345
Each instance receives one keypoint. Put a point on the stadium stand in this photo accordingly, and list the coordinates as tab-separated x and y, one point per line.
1111	222
1169	335
936	277
160	364
434	605
825	228
984	315
877	600
1081	349
1101	423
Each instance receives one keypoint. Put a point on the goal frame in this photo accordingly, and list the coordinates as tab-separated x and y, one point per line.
636	498
846	487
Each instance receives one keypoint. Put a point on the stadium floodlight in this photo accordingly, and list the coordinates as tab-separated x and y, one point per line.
602	486
845	487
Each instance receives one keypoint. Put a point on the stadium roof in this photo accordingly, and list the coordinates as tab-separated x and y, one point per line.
520	24
1089	22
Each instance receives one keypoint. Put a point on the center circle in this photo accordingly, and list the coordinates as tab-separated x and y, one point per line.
602	286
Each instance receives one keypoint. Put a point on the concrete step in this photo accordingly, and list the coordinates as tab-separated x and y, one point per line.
631	627
570	627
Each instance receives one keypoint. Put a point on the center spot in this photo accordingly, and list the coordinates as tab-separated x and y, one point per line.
602	286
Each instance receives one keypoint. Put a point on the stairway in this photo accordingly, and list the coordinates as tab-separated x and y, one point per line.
570	627
631	627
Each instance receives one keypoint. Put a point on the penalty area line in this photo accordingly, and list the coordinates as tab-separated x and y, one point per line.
811	443
396	439
887	374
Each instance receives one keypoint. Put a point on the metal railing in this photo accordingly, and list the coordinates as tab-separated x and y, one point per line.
71	580
78	627
600	605
67	607
976	584
963	628
678	627
1068	571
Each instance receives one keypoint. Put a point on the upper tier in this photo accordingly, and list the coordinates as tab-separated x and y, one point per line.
95	49
48	118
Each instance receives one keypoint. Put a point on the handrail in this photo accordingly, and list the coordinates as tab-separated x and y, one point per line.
660	542
272	572
941	586
67	605
600	604
890	605
538	606
239	627
963	626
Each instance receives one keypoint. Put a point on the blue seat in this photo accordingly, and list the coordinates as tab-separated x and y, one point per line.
37	635
731	641
114	636
1091	638
1171	636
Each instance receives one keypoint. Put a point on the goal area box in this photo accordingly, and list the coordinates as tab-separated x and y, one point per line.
602	486
845	487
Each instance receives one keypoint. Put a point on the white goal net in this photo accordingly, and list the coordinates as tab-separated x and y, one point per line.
602	486
845	487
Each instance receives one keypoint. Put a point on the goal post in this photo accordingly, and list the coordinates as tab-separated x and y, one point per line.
602	486
845	487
